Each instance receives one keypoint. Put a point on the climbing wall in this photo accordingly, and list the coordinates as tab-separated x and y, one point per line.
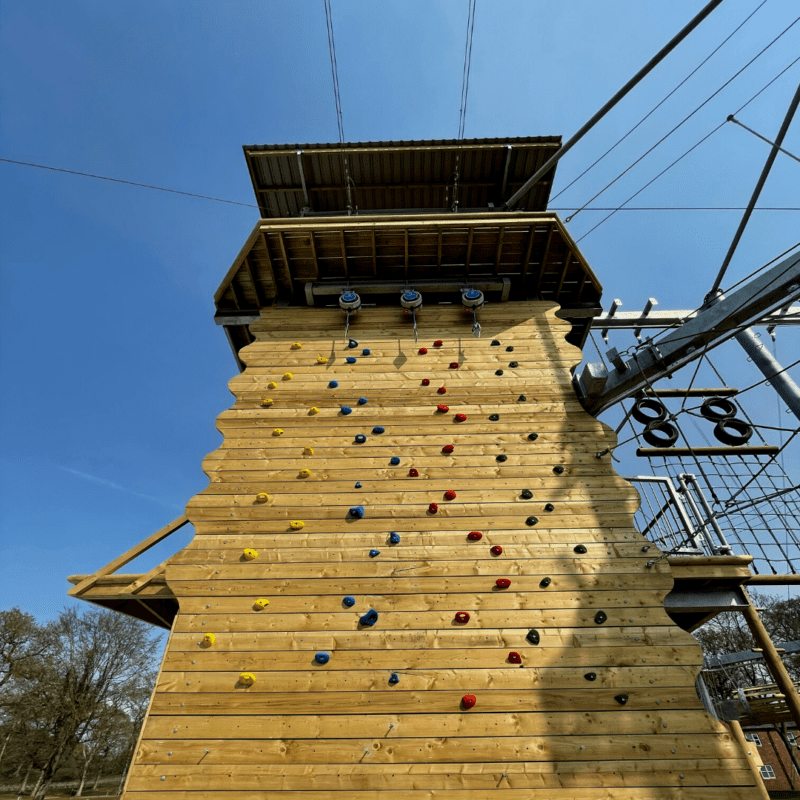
413	578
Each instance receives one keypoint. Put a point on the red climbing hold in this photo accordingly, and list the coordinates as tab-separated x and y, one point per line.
503	583
496	550
426	382
441	390
474	536
442	407
423	350
433	508
469	700
438	343
449	495
461	417
412	473
448	448
514	658
454	365
462	617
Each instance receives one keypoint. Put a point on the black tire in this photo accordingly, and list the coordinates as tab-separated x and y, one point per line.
734	432
645	404
660	434
718	408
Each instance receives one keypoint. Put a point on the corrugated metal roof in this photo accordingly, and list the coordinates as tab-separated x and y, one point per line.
398	175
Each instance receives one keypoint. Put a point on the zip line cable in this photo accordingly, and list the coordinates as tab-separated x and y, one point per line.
462	112
664	100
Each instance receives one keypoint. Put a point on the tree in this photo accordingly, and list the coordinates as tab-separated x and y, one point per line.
22	644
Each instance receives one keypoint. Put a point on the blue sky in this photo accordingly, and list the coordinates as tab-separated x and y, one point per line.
112	368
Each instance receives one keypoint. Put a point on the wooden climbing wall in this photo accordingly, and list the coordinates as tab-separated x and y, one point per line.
603	703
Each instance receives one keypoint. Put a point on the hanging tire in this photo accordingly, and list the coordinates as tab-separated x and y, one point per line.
734	432
660	434
718	408
648	404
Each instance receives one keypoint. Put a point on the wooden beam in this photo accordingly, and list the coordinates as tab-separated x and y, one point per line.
235	293
747	749
343	246
256	287
564	269
405	251
285	257
439	249
270	266
469	250
528	248
545	256
374	254
313	246
722	450
498	252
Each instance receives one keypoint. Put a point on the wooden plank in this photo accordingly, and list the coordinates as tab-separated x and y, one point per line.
312	245
468	254
545	256
257	290
499	250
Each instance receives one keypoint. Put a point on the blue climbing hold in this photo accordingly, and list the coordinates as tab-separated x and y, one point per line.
394	538
365	351
333	384
362	401
351	359
360	438
373	553
358	485
352	343
357	511
346	410
370	618
378	429
322	658
394	678
349	601
394	460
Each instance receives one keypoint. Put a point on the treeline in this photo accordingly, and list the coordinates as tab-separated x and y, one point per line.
73	696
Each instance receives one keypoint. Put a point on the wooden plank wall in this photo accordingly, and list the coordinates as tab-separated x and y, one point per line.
554	726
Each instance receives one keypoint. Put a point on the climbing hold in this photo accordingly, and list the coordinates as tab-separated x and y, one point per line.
509	349
532	636
413	473
261	603
262	497
360	438
358	485
308	451
600	617
249	554
394	678
304	473
394	460
442	407
296	346
461	417
433	508
549	507
378	430
322	658
502	583
351	359
441	390
362	401
545	582
590	676
272	385
366	351
369	619
513	364
448	448
449	495
287	376
454	365
352	343
498	372
247	678
558	470
531	521
322	360
494	417
208	639
373	553
267	402
621	698
474	536
468	700
423	350
462	617
333	384
357	512
579	548
496	550
495	343
277	432
426	382
313	410
296	525
346	410
394	538
514	657
526	494
501	458
532	437
349	601
438	343
521	398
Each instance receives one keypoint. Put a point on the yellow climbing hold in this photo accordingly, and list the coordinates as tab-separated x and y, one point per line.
262	497
272	385
308	451
296	524
296	345
322	360
313	410
304	473
208	640
250	554
277	431
262	602
287	376
268	401
247	679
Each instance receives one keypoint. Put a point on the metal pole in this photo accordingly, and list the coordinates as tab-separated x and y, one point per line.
757	191
710	515
666	50
780	381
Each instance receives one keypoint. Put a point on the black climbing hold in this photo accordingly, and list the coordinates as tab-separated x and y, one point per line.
513	364
549	507
579	548
501	458
600	617
532	437
532	636
558	470
495	343
498	372
590	676
621	698
531	521
360	438
358	485
545	582
521	398
509	349
645	548
369	619
394	678
494	417
526	494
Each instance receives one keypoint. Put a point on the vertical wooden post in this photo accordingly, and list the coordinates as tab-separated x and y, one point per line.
738	734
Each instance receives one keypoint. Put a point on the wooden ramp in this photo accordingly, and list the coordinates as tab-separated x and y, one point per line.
602	704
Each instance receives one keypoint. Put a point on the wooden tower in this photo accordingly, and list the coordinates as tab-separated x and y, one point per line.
400	523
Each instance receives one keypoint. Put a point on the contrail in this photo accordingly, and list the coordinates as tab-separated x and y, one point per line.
112	485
